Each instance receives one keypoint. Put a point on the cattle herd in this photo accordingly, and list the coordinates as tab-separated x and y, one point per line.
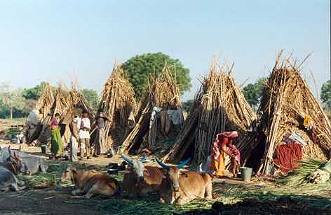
173	183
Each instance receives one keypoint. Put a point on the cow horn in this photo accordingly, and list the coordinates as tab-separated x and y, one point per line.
127	159
163	165
183	163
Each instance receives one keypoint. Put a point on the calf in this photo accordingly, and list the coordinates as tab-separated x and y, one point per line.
141	180
180	187
89	183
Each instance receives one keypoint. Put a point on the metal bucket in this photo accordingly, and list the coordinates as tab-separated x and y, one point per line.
246	173
43	149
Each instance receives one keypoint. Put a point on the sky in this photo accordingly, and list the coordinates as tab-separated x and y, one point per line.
67	40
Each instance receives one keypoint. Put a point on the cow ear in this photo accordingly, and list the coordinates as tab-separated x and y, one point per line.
184	174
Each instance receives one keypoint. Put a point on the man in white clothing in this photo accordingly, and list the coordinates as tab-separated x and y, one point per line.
84	136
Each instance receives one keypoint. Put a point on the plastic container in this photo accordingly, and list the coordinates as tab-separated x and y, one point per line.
246	173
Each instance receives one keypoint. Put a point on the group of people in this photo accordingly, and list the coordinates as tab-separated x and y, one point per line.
80	130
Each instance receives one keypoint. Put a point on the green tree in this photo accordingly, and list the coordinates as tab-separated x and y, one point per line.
33	93
326	94
187	105
91	97
11	100
253	92
140	67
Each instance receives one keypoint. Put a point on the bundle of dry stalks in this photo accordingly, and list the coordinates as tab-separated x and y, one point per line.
219	106
162	93
65	103
287	101
118	104
45	101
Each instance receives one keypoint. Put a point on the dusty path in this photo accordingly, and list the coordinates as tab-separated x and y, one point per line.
43	202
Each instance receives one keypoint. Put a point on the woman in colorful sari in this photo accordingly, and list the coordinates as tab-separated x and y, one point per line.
221	147
56	140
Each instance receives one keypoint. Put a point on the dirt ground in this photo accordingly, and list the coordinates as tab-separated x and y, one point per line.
58	200
235	197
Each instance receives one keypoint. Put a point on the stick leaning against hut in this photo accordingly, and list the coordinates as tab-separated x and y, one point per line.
219	106
291	112
118	104
159	117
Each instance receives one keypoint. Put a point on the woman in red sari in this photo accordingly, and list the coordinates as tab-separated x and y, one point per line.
221	147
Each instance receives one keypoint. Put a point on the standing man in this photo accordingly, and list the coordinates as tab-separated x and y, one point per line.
84	135
99	142
74	139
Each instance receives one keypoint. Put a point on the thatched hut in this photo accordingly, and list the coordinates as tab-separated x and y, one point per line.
62	101
219	106
159	117
290	113
39	116
118	104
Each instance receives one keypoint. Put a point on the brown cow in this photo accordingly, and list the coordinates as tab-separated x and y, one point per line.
141	180
180	187
89	183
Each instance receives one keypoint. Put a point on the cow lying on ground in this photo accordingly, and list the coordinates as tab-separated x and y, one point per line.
8	168
141	180
180	187
31	164
90	183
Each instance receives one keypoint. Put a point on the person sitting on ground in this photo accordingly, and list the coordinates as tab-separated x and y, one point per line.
221	147
84	136
56	139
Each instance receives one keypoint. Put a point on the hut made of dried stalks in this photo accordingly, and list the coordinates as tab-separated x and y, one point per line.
40	115
289	107
119	105
63	101
218	106
159	117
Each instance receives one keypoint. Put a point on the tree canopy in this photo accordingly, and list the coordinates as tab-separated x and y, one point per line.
140	67
91	97
326	94
34	92
253	92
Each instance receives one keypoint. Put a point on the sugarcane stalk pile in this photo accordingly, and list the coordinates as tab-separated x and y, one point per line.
118	104
286	104
163	94
219	106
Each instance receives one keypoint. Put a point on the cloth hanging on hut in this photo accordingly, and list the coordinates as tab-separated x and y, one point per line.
296	138
176	116
287	156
